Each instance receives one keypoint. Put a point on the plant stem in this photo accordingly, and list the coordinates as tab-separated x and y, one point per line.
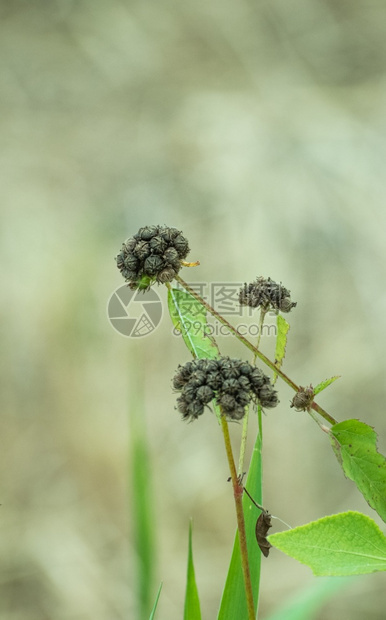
238	495
323	413
243	443
252	348
260	420
244	432
263	312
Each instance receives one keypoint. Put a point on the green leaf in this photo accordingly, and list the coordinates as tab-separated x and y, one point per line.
151	617
348	543
189	318
145	282
306	604
355	446
141	500
323	384
233	603
281	342
192	602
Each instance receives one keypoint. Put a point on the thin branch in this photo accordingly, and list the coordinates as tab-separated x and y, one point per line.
252	348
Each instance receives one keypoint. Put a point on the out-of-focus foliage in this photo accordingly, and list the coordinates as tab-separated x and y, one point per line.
257	129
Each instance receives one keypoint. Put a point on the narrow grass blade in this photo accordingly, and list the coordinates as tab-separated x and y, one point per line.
355	446
281	342
192	602
189	318
307	604
233	603
141	503
348	543
152	615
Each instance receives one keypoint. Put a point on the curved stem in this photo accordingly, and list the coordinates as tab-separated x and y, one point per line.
252	348
238	495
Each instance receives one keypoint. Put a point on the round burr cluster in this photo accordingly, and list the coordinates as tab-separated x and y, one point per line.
153	254
267	294
232	383
302	400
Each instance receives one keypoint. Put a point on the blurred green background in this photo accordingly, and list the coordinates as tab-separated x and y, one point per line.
258	129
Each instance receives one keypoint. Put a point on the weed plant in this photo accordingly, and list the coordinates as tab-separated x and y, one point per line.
343	544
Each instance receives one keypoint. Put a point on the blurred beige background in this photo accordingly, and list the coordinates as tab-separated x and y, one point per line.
257	128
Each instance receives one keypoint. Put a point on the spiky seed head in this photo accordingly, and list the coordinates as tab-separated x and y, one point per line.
205	394
166	275
141	250
153	264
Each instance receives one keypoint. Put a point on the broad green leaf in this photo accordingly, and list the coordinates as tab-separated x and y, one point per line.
281	342
233	602
152	615
192	602
323	384
348	543
307	603
189	318
355	446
